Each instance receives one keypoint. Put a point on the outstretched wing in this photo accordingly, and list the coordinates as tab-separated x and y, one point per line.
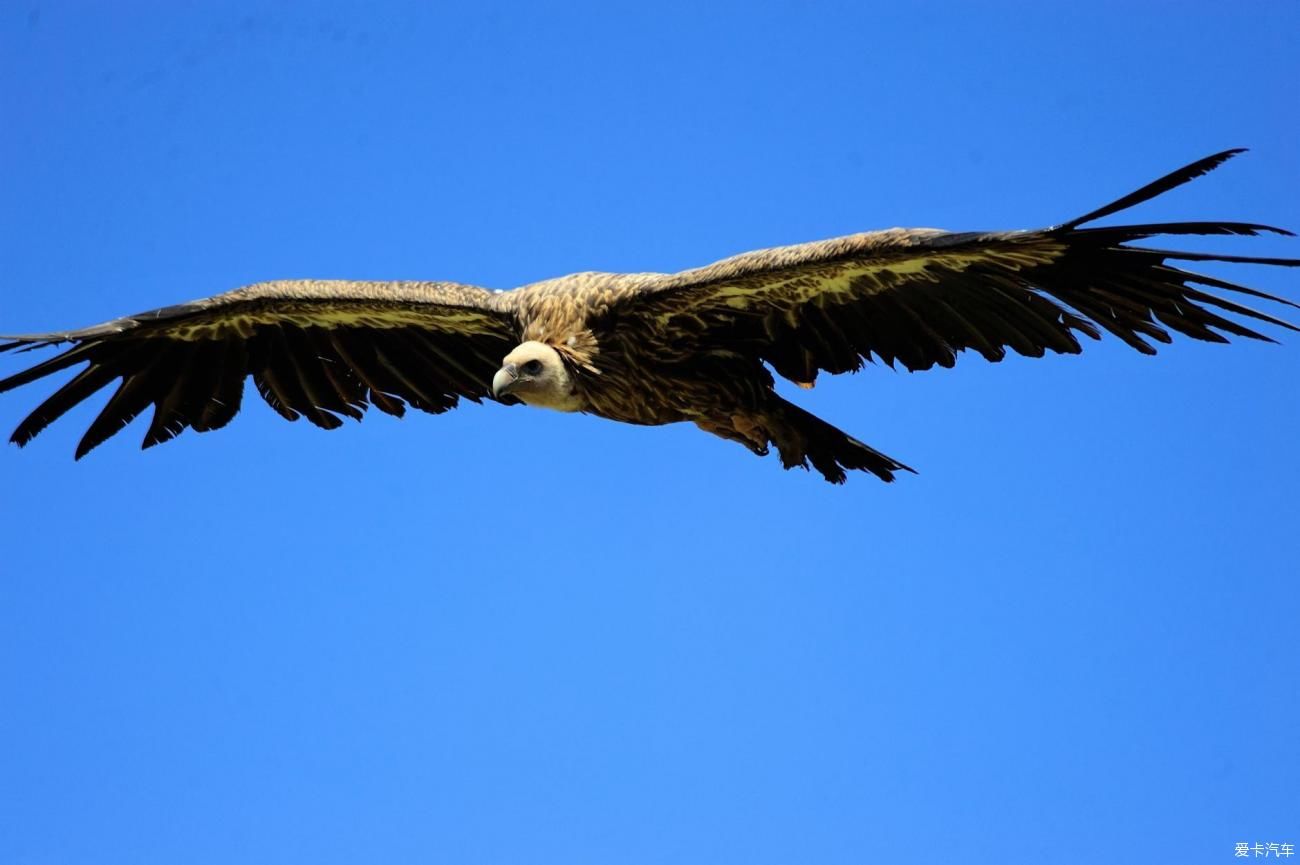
921	296
315	349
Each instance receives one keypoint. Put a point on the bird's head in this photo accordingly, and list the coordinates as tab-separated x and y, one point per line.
536	374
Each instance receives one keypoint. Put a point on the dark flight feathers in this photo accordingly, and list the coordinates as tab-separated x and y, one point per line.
304	363
919	298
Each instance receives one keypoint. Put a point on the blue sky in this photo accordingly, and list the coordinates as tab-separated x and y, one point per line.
502	635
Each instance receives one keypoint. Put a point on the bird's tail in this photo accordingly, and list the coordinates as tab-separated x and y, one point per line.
803	438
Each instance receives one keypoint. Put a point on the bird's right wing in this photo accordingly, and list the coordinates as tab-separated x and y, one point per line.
315	348
922	296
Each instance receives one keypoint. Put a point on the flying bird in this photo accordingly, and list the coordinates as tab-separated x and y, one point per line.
652	348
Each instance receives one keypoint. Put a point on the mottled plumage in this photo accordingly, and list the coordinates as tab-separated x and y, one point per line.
654	348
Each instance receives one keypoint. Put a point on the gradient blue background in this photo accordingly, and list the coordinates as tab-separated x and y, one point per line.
503	636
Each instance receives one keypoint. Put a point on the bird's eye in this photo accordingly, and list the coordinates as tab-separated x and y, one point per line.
533	367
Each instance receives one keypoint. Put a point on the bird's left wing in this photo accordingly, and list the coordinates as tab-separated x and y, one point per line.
920	296
318	349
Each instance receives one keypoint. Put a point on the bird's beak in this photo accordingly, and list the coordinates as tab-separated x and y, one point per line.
504	381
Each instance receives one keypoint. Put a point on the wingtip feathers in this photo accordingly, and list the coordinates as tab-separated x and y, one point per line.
1161	185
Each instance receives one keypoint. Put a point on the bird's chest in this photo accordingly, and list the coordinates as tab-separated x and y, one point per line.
633	386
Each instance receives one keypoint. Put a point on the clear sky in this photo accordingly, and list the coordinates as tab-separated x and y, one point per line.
511	636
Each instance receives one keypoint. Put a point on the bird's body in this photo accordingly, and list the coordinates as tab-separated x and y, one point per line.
649	370
650	348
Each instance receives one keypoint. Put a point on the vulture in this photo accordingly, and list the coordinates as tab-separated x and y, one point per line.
653	348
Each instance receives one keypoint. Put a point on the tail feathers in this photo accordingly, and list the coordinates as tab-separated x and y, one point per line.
803	438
